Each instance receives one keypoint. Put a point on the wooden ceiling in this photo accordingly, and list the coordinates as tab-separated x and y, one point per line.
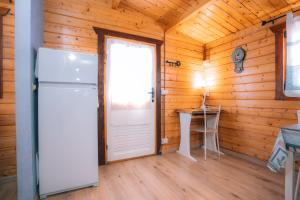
208	20
163	11
223	17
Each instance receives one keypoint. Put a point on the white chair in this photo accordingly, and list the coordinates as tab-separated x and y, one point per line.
210	126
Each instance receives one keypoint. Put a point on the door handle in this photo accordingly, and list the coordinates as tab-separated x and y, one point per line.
152	94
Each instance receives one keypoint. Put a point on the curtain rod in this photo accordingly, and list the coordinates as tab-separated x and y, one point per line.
273	20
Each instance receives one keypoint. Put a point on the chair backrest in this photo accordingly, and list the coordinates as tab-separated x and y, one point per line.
211	121
298	114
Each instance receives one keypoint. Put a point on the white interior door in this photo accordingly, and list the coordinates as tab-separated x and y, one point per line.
130	106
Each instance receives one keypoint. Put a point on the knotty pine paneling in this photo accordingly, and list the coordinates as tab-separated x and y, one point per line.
69	25
220	18
179	83
7	103
251	117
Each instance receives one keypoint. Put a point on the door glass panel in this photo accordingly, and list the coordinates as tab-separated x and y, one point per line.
131	74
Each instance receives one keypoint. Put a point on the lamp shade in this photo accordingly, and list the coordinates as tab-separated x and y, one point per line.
199	81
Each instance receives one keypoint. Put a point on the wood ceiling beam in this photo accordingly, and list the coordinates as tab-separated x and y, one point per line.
190	13
115	4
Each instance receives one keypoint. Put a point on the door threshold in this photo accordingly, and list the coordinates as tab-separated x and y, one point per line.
127	159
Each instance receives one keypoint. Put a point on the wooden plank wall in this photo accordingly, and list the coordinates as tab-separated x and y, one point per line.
252	117
69	25
179	84
7	103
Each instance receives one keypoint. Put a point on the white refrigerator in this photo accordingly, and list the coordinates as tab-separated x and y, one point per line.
67	120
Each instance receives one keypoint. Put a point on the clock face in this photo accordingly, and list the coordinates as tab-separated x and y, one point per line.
238	55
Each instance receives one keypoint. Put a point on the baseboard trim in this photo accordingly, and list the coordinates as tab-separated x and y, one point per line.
169	150
7	179
228	152
244	157
174	149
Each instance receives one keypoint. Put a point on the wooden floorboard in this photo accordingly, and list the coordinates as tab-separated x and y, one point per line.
8	190
173	177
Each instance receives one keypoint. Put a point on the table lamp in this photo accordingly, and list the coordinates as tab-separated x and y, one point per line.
200	83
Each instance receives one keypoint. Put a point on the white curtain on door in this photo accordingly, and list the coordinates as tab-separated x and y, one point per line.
292	81
130	77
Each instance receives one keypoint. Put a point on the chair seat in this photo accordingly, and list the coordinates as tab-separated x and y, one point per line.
201	129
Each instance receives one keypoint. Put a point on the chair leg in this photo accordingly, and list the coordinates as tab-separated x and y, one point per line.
297	186
218	144
205	145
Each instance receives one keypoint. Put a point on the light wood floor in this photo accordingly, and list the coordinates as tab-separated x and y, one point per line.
8	190
173	177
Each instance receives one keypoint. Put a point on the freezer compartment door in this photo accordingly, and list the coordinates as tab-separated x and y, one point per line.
66	67
67	146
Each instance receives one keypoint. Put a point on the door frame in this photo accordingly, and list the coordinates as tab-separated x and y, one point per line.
102	33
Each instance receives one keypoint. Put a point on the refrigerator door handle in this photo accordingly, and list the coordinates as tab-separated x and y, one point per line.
37	168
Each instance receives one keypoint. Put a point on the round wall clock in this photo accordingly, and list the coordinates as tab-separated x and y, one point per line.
238	57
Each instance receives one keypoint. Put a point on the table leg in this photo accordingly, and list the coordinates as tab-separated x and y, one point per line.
211	137
211	142
289	176
184	148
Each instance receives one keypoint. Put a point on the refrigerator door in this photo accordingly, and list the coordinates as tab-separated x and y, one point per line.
67	137
66	67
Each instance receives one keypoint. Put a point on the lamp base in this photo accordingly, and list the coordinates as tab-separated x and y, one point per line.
203	101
